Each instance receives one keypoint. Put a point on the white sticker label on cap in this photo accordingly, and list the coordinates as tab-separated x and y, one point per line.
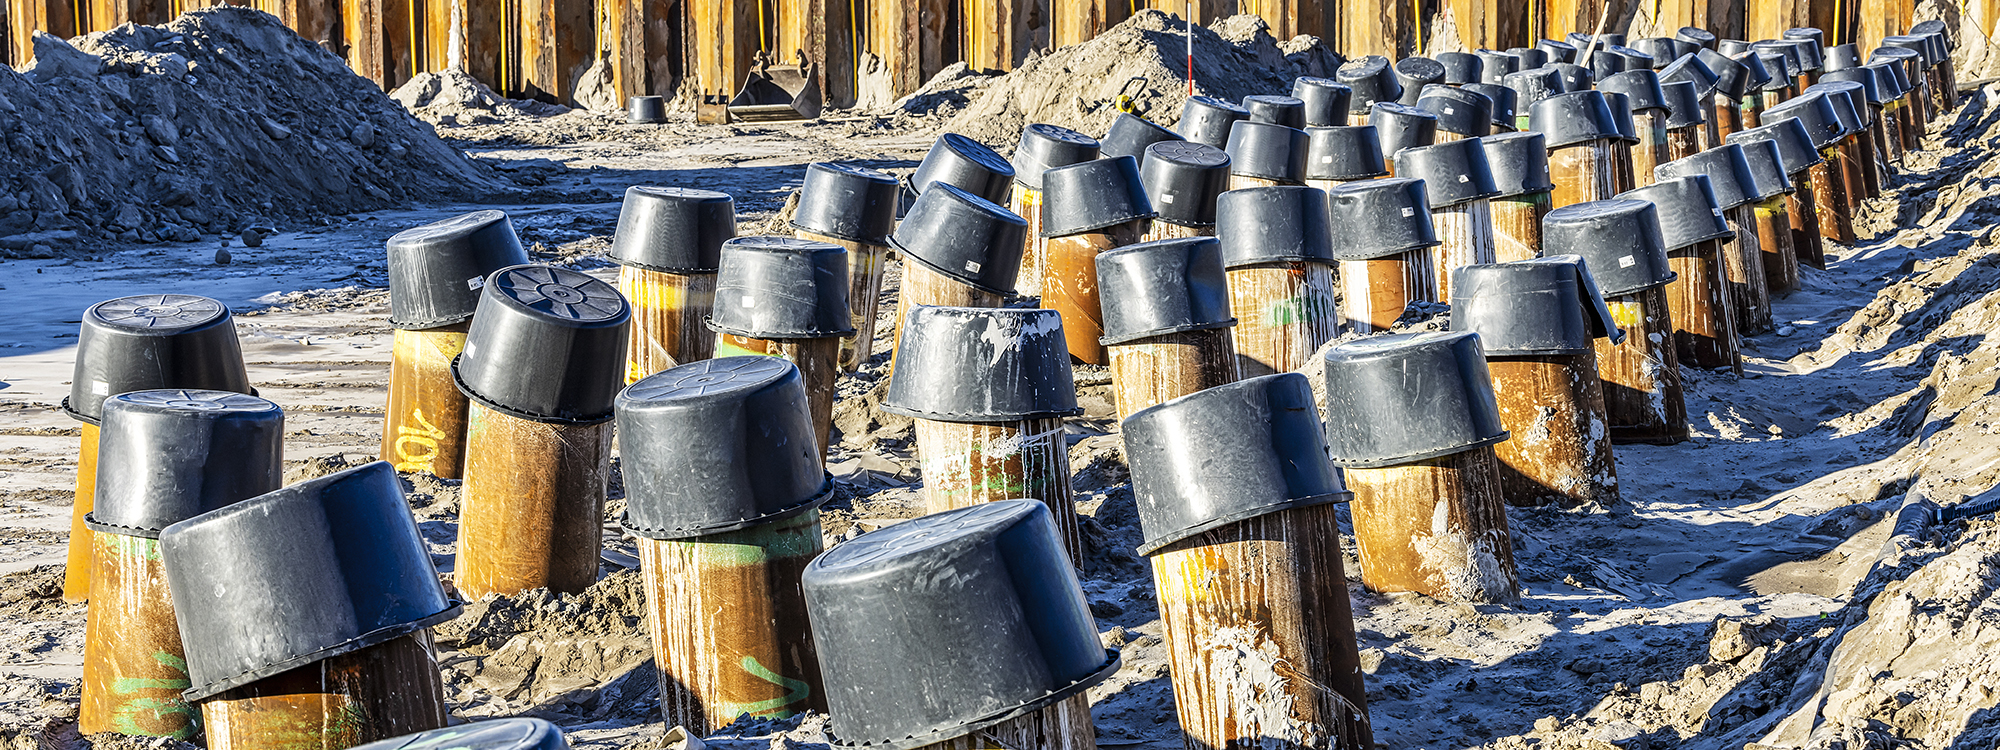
1168	198
1326	160
100	388
475	283
749	301
1463	178
1409	212
470	350
972	266
1448	110
1627	262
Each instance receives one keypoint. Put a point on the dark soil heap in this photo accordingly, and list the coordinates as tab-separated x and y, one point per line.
220	120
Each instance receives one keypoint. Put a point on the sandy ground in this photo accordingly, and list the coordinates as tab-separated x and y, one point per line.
1693	614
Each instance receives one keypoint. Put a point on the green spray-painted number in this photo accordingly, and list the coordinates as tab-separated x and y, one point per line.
795	691
786	538
156	717
1296	310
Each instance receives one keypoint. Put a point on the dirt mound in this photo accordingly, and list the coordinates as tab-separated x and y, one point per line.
220	120
1077	86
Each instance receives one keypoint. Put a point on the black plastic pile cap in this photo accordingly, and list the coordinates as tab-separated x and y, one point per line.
646	110
1502	97
1266	150
1795	147
1692	70
435	270
1379	218
1794	58
1530	57
1607	63
1161	287
1206	119
1519	163
1778	67
1863	78
324	567
1495	66
1732	79
1938	45
1815	41
152	341
1454	172
1640	87
1619	240
965	237
1557	51
940	627
1908	65
1688	211
1841	57
846	202
1278	110
1130	135
170	455
1684	106
1887	84
1407	397
548	345
1325	100
1094	195
672	230
1537	307
1414	73
1369	80
1261	451
1756	77
976	364
1458	110
718	445
1698	37
1730	180
490	734
1815	112
1400	127
1574	77
966	164
1621	116
1767	167
1533	85
1628	59
782	288
1459	67
1932	26
1044	147
1276	224
1344	153
1732	47
1848	103
1580	39
1183	178
1570	119
1659	49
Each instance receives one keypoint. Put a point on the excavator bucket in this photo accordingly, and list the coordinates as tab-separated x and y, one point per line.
774	93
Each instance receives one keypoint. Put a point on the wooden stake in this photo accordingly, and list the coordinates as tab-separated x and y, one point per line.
728	620
1774	239
1851	175
1683	142
1891	121
923	286
1913	127
1158	369
1066	725
1717	126
133	667
1284	312
865	266
533	505
1517	226
1261	635
1704	326
1743	266
424	428
1560	449
1465	238
1878	141
1866	160
76	569
1069	284
1437	527
667	319
1374	293
1650	126
1622	178
1582	173
965	464
1642	377
1165	230
1027	203
1753	108
1802	206
382	691
818	361
1240	181
1829	193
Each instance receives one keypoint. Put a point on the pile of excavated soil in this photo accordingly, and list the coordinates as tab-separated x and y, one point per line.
221	120
1077	86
